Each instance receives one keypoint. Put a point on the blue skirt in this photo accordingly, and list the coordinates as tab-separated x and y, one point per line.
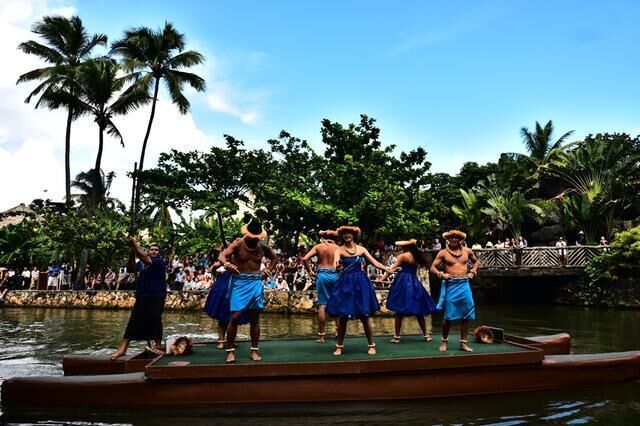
407	296
327	277
218	304
353	296
456	300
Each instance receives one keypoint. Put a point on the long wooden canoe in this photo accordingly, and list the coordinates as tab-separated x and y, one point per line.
300	370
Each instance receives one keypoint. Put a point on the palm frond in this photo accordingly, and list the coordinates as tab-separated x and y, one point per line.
191	79
186	59
175	86
88	45
113	131
46	53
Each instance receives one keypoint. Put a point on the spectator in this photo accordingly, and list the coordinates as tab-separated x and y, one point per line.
476	246
489	244
562	251
35	277
581	240
110	279
52	273
437	245
522	243
25	278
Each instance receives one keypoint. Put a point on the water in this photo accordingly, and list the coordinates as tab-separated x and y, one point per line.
33	341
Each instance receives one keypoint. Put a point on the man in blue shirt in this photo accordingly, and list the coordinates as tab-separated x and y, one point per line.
145	322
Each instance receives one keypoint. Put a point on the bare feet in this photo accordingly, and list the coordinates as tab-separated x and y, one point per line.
117	354
338	350
464	347
220	344
427	338
396	339
320	338
372	349
231	357
443	346
254	355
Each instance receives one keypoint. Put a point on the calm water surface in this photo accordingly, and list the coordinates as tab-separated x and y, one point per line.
33	341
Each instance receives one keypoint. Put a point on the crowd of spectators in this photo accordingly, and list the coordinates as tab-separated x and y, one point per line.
196	273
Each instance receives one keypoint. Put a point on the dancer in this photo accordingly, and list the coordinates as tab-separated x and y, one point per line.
218	304
455	296
327	275
407	296
145	322
246	287
353	296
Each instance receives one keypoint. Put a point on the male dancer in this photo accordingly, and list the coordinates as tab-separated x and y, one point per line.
246	286
455	295
327	275
145	322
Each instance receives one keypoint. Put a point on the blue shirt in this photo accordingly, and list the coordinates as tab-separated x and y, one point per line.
152	280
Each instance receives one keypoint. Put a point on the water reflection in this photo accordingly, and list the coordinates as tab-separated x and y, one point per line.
33	342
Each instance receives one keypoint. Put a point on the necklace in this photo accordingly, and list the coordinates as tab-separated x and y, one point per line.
249	248
355	250
458	254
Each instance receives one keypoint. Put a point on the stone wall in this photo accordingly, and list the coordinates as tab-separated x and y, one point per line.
275	301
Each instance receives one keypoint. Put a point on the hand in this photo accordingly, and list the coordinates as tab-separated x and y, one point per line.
471	275
446	276
231	267
132	241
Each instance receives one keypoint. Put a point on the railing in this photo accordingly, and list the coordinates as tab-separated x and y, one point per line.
538	257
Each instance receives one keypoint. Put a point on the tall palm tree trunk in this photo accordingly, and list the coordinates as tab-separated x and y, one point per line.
67	158
144	143
222	236
96	171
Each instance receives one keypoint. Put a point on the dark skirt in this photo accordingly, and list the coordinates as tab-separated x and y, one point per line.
408	297
217	305
145	322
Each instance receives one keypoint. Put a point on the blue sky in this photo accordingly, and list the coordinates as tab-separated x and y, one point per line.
458	78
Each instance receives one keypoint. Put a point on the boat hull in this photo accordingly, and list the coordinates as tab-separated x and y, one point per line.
135	389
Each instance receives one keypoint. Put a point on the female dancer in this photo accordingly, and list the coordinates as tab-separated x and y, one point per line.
353	295
218	305
407	296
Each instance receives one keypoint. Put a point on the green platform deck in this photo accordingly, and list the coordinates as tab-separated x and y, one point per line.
307	350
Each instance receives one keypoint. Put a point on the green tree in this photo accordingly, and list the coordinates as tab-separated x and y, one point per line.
66	45
155	56
470	214
212	181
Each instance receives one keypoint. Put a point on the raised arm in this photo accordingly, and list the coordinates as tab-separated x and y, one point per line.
373	261
144	257
309	255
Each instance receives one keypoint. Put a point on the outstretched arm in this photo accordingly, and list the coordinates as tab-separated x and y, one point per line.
393	268
336	257
305	259
373	261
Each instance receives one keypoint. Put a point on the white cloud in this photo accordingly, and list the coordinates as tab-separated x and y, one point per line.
32	141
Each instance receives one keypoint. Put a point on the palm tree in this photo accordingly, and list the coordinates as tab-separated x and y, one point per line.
539	145
154	56
95	89
89	191
67	45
